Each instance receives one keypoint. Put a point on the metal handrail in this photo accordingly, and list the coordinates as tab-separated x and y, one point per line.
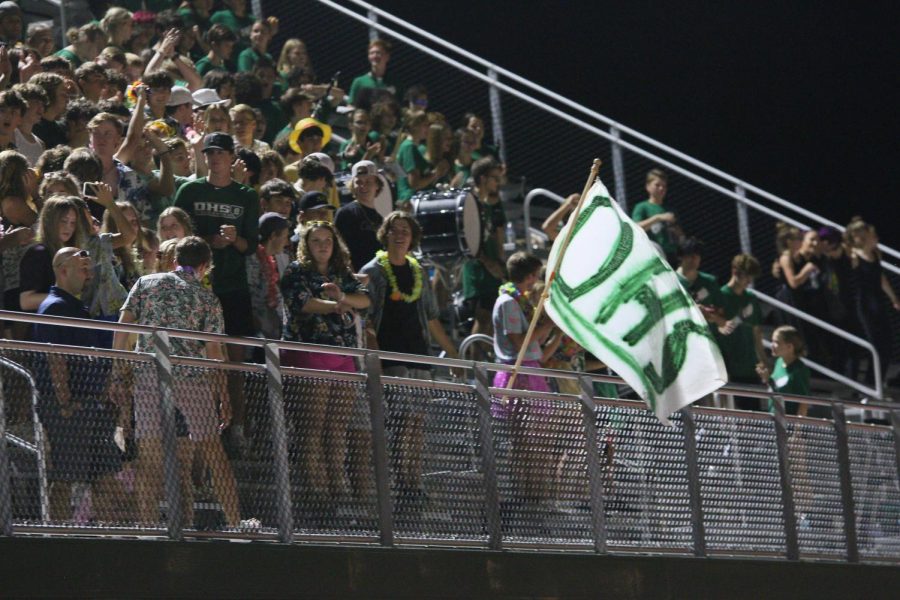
754	391
878	391
483	396
587	127
604	119
526	208
471	340
830	373
38	446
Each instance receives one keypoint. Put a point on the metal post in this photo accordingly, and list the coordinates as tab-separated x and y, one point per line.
791	542
5	482
595	478
698	532
843	455
279	445
488	460
497	118
375	392
743	220
171	470
618	168
63	24
895	425
373	18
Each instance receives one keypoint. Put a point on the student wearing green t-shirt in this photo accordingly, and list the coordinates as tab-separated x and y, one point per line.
652	216
226	214
483	275
419	177
376	79
221	41
235	17
702	287
260	36
85	45
790	375
358	146
740	337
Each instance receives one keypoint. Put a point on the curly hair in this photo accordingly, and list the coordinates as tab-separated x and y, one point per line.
340	255
399	215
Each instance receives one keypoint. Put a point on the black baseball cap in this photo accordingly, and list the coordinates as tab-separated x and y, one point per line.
313	201
218	141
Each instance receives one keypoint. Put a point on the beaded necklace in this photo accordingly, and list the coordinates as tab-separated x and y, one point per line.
396	295
522	299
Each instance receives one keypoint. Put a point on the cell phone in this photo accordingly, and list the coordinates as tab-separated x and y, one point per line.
89	189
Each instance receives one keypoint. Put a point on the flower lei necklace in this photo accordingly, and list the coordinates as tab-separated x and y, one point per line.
396	294
522	299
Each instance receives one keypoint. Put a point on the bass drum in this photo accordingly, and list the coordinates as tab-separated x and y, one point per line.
451	223
384	199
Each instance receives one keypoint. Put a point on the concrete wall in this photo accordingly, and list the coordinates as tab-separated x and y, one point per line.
130	568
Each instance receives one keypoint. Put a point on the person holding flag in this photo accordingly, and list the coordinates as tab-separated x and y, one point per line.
611	292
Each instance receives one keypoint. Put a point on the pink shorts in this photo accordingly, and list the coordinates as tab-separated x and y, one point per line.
534	383
318	360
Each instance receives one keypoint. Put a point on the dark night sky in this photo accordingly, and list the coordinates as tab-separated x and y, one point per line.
800	99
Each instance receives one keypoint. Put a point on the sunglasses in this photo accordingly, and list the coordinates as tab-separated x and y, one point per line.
79	254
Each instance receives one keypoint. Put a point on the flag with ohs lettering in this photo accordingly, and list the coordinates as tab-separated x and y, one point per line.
615	296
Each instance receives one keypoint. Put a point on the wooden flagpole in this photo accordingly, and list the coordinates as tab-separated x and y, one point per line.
595	169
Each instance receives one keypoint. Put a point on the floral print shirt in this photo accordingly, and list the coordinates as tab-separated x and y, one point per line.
104	293
176	300
299	285
133	189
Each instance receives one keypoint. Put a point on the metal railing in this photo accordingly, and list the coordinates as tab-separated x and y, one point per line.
37	447
518	469
877	391
615	132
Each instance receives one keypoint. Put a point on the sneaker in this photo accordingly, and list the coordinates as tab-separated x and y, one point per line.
251	524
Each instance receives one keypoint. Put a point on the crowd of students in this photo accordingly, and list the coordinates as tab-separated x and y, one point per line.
164	169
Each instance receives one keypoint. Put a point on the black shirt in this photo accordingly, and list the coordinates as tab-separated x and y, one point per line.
358	226
52	133
36	270
399	330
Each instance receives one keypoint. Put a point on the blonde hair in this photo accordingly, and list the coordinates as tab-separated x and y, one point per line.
166	256
656	174
127	253
206	112
284	65
113	20
243	109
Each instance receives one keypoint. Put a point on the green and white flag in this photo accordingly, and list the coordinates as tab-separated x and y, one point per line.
615	296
